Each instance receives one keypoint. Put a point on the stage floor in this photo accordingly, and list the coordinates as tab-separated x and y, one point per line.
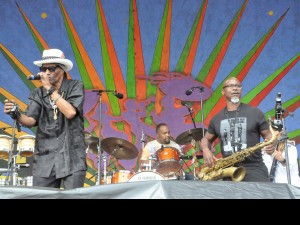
160	189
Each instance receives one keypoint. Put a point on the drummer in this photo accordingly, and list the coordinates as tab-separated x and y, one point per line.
162	140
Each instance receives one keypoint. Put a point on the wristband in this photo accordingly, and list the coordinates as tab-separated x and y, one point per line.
283	162
55	100
15	112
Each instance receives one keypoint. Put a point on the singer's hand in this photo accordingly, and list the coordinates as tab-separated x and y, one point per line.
8	105
45	80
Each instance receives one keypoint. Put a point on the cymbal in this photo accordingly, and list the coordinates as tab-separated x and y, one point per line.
189	135
119	148
92	142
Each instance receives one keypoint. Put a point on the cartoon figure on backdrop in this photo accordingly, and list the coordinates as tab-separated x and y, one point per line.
166	101
166	112
56	108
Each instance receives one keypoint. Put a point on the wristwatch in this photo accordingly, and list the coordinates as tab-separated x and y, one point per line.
50	90
283	161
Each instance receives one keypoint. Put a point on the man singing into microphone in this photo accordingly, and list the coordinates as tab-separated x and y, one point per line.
56	108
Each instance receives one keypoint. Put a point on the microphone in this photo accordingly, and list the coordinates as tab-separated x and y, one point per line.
190	91
118	95
278	110
186	105
34	77
18	126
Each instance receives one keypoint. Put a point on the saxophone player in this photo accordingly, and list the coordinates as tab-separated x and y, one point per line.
247	125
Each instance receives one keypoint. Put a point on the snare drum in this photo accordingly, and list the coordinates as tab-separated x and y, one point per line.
168	160
5	146
121	176
26	145
146	176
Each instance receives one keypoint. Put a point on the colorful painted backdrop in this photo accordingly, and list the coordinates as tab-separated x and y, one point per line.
152	52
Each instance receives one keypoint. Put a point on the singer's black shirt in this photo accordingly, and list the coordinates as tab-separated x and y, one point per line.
59	142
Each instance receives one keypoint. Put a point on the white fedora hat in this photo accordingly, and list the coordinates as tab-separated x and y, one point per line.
55	56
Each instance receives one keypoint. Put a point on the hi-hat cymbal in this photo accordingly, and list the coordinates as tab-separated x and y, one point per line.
189	135
92	143
90	139
119	148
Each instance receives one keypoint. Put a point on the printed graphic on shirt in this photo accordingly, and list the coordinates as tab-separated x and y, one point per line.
233	134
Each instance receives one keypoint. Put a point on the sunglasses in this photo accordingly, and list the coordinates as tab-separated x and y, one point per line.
50	68
232	85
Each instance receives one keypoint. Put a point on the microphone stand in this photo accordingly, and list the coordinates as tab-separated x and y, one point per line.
11	163
98	182
100	157
143	145
284	137
274	164
201	90
190	111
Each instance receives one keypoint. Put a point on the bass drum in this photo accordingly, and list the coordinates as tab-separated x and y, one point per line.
146	176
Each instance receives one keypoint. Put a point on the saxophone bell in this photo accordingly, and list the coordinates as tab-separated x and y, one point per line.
236	173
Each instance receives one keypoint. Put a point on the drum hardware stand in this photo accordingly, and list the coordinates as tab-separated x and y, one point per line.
100	157
104	170
12	168
194	158
149	165
143	146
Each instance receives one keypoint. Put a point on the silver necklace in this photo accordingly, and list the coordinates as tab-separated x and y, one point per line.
54	106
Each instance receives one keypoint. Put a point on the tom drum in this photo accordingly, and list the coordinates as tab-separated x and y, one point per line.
121	176
168	160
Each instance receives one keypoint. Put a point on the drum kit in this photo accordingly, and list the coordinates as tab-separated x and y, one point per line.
25	148
167	161
119	149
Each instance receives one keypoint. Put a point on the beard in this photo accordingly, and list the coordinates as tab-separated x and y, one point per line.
235	100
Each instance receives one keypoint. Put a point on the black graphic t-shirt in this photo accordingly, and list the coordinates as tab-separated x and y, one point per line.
238	130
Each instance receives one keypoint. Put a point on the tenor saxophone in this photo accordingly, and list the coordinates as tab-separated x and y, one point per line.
224	166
